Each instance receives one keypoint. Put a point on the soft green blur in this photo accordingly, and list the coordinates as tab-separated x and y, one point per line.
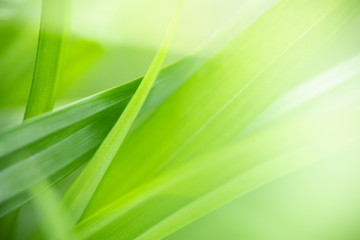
254	136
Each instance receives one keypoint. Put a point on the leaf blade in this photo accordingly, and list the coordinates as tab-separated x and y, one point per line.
51	44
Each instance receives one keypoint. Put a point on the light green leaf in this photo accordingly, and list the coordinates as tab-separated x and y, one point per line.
52	41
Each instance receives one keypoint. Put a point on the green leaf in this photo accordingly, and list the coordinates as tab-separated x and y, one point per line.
52	40
86	183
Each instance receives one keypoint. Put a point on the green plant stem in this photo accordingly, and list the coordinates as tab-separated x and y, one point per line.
85	185
52	40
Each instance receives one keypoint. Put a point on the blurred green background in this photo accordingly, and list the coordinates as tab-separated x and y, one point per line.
114	41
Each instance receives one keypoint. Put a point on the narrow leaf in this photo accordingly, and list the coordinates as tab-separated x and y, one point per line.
52	40
85	185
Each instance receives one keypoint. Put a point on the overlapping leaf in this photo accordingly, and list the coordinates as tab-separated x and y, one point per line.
80	127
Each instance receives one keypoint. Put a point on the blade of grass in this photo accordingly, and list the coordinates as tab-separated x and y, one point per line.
85	185
51	45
